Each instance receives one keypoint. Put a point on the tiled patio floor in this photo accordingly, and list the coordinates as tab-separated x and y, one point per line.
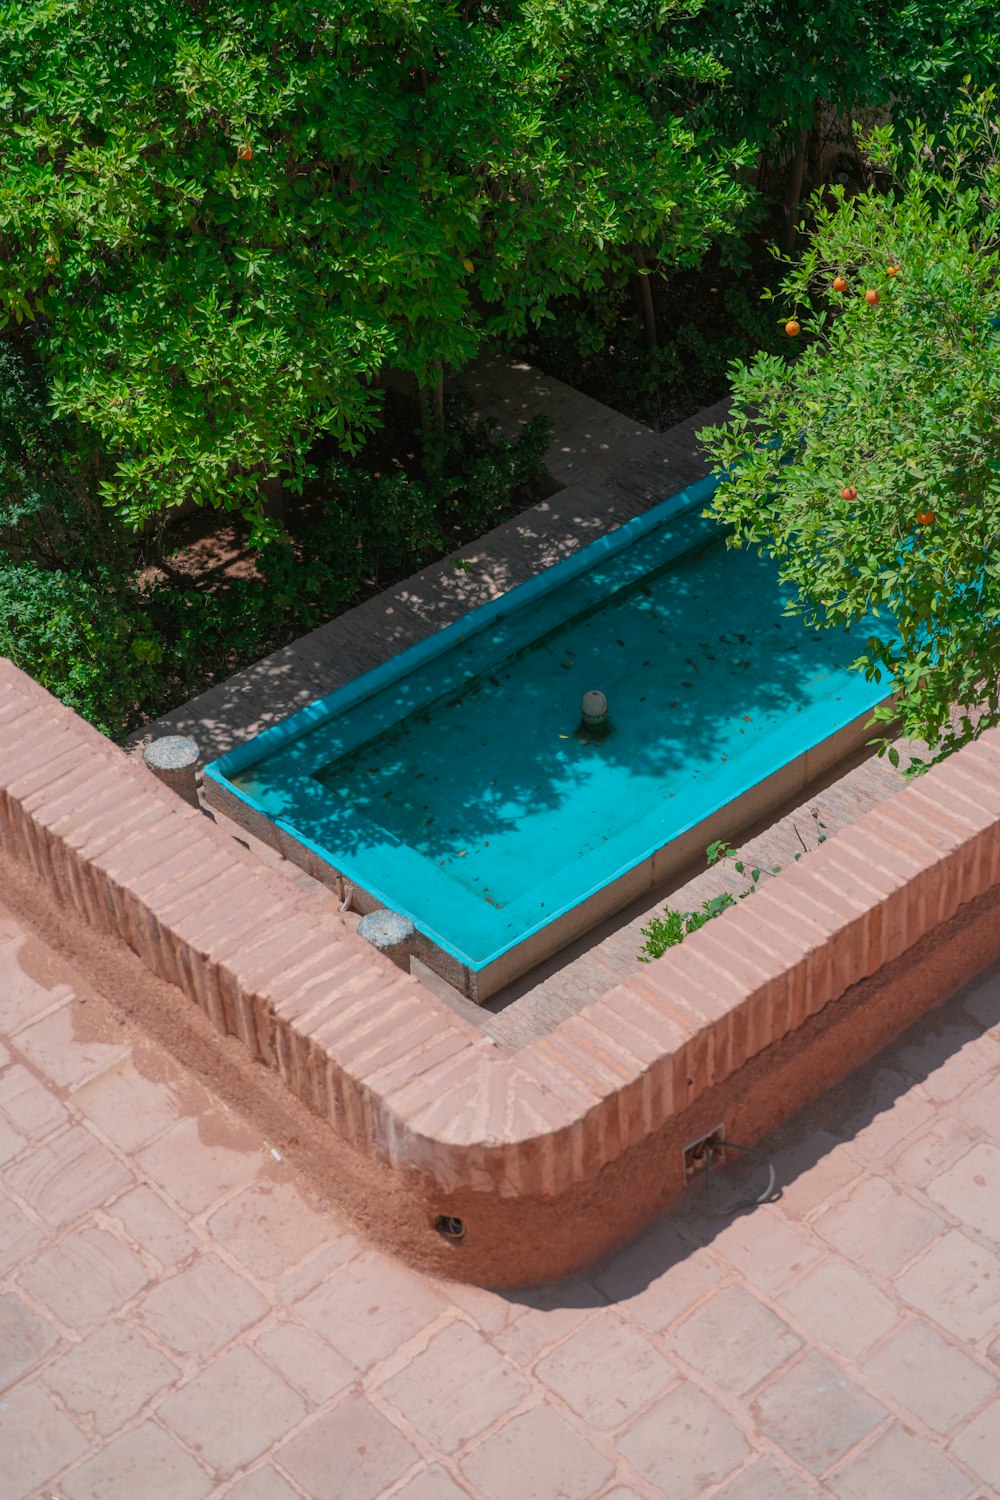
182	1316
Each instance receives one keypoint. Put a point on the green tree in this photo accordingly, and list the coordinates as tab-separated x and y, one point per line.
220	220
793	70
869	465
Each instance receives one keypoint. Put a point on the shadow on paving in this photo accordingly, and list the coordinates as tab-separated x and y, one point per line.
834	1120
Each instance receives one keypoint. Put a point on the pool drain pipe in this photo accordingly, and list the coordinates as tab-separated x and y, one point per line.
594	721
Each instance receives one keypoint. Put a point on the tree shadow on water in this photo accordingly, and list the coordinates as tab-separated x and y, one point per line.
699	664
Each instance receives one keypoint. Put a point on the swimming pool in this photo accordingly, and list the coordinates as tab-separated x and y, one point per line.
452	783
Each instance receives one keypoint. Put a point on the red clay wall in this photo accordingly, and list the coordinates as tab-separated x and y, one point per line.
555	1153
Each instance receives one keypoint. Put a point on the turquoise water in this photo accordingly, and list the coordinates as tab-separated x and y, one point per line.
452	784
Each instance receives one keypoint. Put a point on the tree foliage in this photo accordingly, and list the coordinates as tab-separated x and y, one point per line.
783	60
869	466
222	219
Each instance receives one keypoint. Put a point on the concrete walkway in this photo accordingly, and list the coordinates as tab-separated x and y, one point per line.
182	1316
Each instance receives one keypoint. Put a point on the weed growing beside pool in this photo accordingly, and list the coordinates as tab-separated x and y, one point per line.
674	925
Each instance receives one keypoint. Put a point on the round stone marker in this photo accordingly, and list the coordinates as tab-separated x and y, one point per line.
391	933
173	760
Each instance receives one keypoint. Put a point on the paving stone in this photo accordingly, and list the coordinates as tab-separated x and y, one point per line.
684	1444
957	1284
369	1307
767	1480
968	1190
110	1376
25	998
350	1453
898	1462
981	1108
939	1147
734	1340
879	1227
607	1372
341	1247
882	1110
36	1441
929	1376
59	1047
456	1388
491	1311
431	1483
810	1170
815	1413
269	1228
840	1306
232	1411
658	1278
528	1337
201	1308
19	1237
131	1110
201	1159
25	1338
67	1176
12	1143
536	1456
978	1445
145	1461
765	1249
32	1109
947	1057
307	1361
85	1276
263	1484
150	1223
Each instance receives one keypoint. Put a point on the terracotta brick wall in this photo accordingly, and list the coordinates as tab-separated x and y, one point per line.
560	1150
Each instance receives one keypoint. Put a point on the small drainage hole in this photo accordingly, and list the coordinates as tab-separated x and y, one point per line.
451	1228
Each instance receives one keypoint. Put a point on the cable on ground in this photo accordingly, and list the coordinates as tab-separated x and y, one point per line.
770	1193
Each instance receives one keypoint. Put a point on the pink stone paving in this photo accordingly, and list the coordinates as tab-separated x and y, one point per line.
183	1317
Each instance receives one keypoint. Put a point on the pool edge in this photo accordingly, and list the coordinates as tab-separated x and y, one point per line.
553	1155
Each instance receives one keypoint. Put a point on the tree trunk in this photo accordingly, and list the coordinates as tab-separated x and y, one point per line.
793	192
431	399
644	293
438	397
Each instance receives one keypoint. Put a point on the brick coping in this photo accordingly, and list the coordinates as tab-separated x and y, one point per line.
464	1127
